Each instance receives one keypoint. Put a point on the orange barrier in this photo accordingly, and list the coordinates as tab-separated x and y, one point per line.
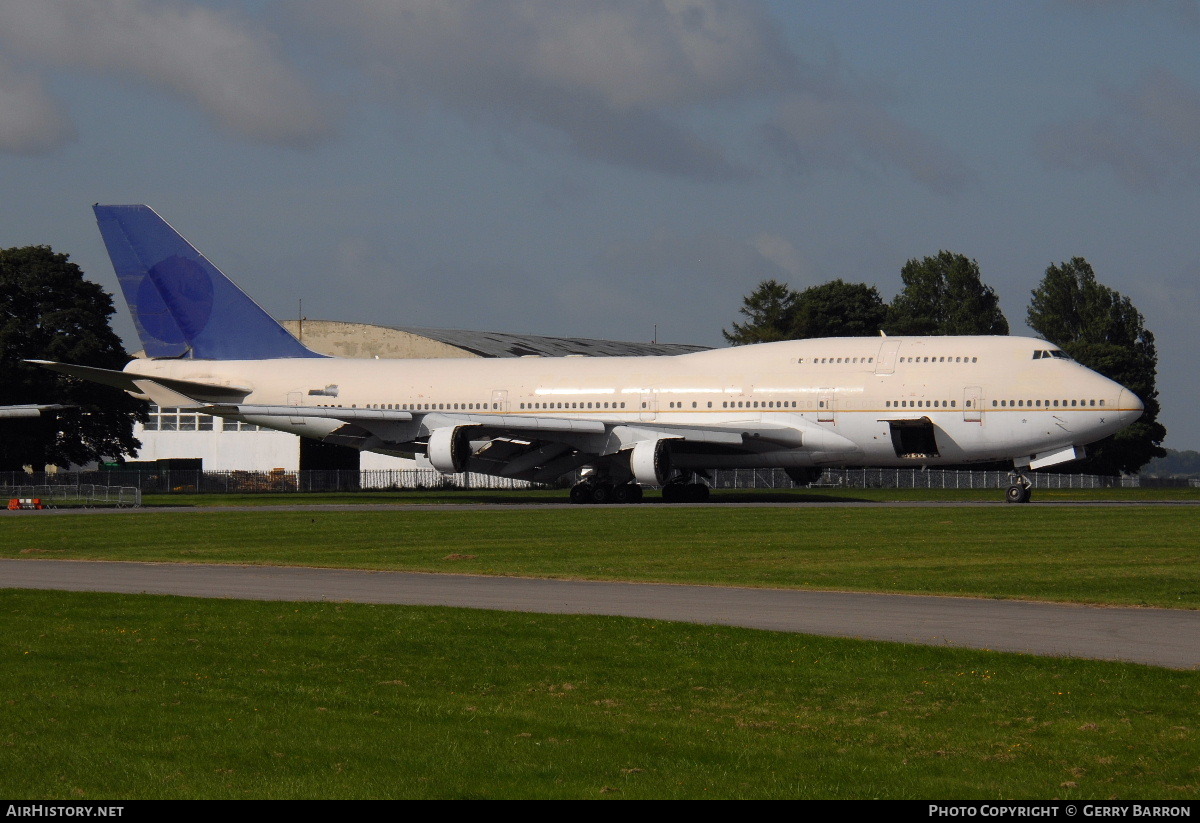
18	503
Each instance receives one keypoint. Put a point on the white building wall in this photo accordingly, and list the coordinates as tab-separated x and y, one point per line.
228	446
223	450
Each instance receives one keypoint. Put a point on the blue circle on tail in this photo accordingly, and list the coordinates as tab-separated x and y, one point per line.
181	292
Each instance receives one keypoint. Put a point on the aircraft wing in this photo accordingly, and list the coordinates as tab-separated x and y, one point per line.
532	447
733	434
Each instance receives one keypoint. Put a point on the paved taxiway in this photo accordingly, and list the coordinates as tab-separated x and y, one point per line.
1160	637
448	507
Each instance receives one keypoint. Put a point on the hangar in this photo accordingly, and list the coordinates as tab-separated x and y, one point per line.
178	437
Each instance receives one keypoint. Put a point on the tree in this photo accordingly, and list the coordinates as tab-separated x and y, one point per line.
945	295
49	312
768	310
833	309
838	309
1100	328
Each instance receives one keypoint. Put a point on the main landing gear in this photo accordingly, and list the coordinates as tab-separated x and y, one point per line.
599	492
1020	489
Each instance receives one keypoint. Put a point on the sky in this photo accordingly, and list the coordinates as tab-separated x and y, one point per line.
622	168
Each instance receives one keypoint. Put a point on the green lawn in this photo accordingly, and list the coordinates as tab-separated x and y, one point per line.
801	495
125	697
1130	555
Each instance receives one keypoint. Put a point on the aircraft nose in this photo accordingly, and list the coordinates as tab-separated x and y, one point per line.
1130	407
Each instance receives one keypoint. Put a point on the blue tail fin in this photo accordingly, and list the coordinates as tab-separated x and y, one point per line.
182	305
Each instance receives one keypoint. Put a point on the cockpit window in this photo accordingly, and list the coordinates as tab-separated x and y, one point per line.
1044	353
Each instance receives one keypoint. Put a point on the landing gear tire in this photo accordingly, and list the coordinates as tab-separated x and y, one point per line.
1017	493
601	493
581	493
673	493
627	493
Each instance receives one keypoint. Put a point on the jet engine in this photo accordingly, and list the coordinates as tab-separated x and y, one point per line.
449	448
650	462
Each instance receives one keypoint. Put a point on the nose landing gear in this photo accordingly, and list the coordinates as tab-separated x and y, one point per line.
1020	489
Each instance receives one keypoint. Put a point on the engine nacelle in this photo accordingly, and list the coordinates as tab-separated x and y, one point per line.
650	462
450	448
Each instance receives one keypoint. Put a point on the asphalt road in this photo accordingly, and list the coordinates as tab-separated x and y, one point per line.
1159	637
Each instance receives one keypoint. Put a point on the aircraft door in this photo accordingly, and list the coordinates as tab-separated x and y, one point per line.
973	404
649	403
825	410
885	361
499	400
296	398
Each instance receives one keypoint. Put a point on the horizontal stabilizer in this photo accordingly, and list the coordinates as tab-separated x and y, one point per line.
198	392
28	410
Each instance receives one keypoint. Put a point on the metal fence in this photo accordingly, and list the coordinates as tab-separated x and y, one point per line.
914	478
74	494
118	487
193	481
951	479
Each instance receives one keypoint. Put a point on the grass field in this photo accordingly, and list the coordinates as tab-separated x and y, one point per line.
803	495
116	696
122	697
1129	555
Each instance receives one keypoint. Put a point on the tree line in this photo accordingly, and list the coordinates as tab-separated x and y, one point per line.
945	295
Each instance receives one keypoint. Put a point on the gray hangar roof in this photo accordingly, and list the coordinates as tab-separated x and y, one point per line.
364	340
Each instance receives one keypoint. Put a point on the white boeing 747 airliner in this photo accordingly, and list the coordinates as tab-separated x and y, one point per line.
628	421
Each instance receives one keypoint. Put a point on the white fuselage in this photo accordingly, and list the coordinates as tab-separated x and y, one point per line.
986	398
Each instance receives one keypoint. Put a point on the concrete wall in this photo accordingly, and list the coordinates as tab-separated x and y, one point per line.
260	450
364	341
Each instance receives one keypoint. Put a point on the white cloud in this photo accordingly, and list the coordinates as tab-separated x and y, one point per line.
839	132
213	59
1148	136
621	81
781	252
30	121
611	78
